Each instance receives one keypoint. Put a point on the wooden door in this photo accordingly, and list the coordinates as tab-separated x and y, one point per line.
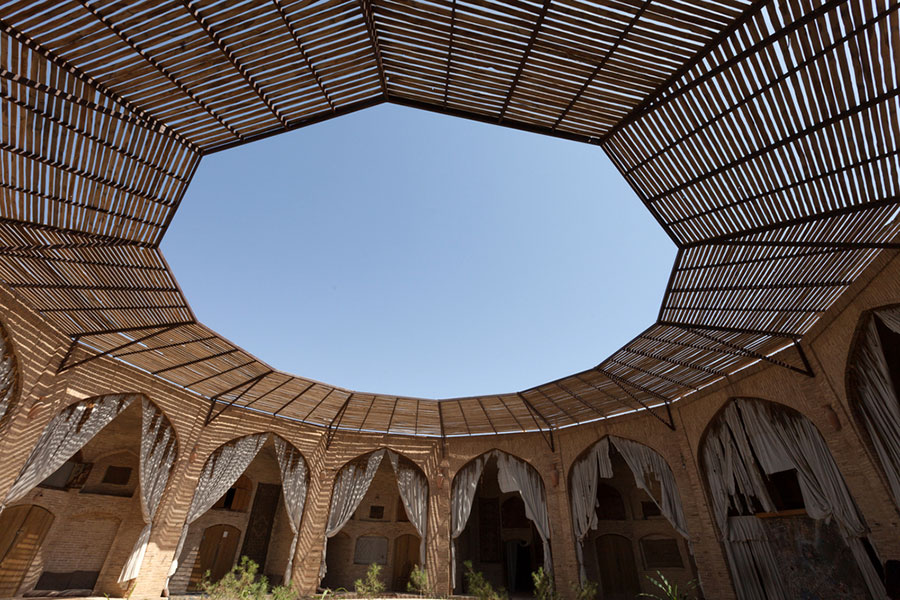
216	554
22	531
618	572
406	556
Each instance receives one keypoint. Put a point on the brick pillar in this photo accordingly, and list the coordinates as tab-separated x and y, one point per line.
438	542
167	526
562	535
311	543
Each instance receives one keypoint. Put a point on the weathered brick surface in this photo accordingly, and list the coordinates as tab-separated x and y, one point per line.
825	399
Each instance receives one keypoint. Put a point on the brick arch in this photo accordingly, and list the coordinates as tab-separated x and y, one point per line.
486	452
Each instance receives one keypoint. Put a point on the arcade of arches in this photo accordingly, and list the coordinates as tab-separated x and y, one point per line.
113	483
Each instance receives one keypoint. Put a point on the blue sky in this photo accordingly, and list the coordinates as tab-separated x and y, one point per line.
409	253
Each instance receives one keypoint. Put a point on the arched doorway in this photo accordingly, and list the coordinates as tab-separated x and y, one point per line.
628	519
256	485
88	466
784	513
378	514
215	556
500	522
617	570
873	380
22	531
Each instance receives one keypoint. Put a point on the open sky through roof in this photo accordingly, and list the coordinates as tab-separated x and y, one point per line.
404	252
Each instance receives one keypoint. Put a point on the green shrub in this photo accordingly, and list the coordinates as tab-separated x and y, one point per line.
372	586
479	587
418	582
283	592
240	583
544	589
669	591
586	590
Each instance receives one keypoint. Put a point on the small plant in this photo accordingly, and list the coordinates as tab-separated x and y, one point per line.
669	589
418	582
479	587
283	592
240	583
544	589
372	586
586	590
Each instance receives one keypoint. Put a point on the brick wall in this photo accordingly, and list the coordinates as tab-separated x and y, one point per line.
824	399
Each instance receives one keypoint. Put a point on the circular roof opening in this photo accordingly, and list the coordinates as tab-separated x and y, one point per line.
403	252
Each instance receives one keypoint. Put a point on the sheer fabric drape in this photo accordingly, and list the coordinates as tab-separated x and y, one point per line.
7	375
414	493
779	442
66	434
219	473
878	401
158	450
596	464
350	488
294	482
513	475
516	475
462	495
753	565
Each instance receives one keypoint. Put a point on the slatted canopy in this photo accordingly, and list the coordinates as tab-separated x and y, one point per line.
762	136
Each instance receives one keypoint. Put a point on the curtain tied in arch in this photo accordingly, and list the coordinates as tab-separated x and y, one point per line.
413	487
158	450
750	431
596	465
219	473
513	475
294	483
67	433
878	401
350	488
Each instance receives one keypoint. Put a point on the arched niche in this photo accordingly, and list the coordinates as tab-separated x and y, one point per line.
91	458
620	490
757	458
505	555
379	503
9	376
873	380
257	485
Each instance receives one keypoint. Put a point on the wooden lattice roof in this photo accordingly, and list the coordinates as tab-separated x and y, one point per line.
762	136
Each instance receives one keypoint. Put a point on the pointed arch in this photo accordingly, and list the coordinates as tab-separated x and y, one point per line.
595	464
746	443
872	380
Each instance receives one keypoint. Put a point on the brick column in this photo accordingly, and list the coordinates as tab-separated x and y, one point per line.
562	535
311	543
438	542
170	518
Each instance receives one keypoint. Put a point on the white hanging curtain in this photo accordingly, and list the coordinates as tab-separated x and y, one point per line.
779	442
753	566
642	461
516	475
796	443
414	493
7	375
158	449
65	435
293	484
350	488
219	473
462	495
878	401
